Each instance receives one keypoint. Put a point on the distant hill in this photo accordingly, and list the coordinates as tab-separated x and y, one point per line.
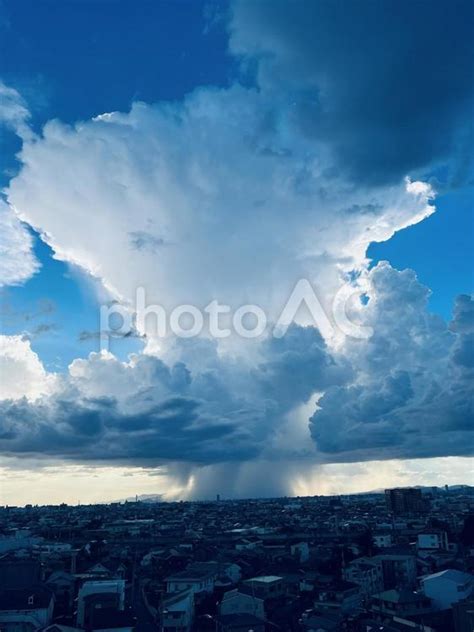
426	489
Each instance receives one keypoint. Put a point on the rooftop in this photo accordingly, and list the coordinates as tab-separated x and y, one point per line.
265	579
452	575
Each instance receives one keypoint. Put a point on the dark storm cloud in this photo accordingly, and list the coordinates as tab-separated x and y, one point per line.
413	396
218	412
297	365
97	430
404	393
463	324
387	85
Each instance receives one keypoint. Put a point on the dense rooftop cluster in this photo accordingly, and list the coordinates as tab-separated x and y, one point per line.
399	561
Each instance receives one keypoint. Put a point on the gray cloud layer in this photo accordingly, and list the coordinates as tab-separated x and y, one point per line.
413	396
404	393
388	85
106	409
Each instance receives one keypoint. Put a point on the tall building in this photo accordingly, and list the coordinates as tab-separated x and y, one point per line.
405	500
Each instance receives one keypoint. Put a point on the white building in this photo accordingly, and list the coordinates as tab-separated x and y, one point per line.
434	540
447	587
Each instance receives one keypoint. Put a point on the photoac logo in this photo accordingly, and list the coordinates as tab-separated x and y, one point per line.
219	321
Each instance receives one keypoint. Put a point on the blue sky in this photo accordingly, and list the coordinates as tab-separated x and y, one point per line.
87	57
75	67
246	148
59	309
437	249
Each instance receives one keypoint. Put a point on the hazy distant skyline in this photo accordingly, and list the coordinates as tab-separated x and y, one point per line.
223	152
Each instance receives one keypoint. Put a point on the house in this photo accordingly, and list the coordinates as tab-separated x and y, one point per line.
343	597
178	612
398	569
62	584
266	586
26	608
99	595
196	580
365	573
400	603
448	587
238	602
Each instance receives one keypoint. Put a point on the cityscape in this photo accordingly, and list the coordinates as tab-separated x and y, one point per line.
402	560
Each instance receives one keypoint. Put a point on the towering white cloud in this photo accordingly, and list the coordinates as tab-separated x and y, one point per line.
17	260
22	373
219	197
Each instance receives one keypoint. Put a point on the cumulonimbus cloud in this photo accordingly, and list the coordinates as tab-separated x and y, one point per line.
235	194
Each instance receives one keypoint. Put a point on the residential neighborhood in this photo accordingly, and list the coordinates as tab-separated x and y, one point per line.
394	561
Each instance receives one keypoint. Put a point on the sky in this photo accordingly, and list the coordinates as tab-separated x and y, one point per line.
228	151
